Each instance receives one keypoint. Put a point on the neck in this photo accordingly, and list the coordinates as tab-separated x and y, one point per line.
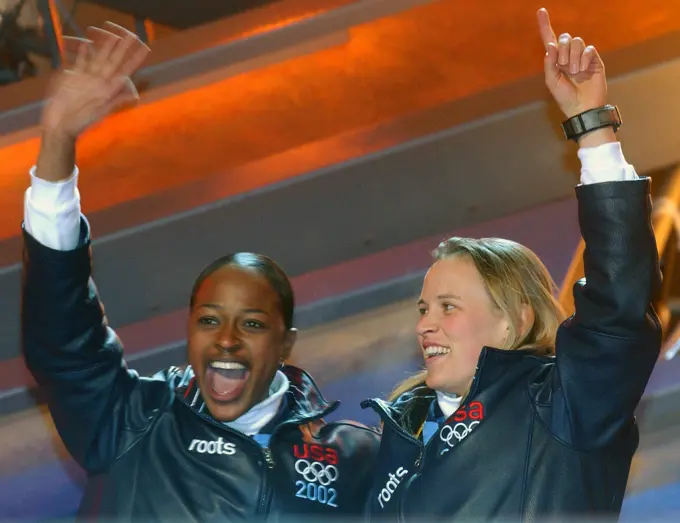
448	403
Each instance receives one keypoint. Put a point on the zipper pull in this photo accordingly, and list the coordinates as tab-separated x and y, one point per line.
419	460
268	457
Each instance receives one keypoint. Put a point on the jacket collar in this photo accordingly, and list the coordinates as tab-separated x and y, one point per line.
495	365
304	401
409	411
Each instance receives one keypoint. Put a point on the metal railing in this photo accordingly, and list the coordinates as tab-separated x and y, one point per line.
666	224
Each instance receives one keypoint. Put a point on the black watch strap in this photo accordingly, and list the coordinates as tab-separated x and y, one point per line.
588	121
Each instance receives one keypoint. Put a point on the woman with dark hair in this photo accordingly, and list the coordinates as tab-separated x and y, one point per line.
519	414
237	435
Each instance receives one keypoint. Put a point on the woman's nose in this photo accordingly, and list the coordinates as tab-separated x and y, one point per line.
228	337
426	324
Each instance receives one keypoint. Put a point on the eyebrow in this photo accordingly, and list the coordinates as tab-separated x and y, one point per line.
219	307
209	306
256	311
442	297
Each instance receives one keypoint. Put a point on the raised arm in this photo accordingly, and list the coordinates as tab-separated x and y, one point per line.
74	356
606	352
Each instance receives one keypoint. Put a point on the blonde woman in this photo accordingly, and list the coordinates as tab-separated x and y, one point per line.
520	415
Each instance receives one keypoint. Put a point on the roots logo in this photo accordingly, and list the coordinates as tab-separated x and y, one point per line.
392	483
219	446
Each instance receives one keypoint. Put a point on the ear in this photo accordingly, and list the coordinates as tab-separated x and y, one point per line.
526	319
288	343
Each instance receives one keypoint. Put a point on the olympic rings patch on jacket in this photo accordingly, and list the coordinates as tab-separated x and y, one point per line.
317	472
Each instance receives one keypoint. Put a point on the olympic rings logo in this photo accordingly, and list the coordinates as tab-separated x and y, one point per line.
317	471
459	431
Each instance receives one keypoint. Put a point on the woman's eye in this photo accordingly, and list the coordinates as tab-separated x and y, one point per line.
252	324
422	311
207	320
448	306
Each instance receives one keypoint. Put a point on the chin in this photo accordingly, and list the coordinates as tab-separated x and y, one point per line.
226	412
432	381
441	384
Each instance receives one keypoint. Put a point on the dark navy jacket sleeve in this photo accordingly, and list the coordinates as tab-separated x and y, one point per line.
606	352
99	407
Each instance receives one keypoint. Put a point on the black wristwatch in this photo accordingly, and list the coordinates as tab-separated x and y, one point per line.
591	120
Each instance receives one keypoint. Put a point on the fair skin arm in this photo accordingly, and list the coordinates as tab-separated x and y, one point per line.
575	77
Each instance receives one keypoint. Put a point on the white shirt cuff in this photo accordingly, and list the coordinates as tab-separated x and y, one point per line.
605	163
52	211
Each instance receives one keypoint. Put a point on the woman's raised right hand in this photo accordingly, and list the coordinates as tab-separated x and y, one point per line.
97	83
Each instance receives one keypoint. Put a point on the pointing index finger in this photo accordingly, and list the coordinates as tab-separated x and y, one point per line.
546	30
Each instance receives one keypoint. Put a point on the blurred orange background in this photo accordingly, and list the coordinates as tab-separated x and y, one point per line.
421	58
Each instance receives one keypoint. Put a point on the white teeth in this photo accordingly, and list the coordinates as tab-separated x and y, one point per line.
436	350
228	365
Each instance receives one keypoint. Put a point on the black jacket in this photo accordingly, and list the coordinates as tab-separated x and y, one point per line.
540	436
150	450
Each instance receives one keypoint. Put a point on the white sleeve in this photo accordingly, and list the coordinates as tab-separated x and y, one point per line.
605	163
52	212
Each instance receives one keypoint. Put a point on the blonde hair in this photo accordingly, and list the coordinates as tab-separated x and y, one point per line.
513	276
